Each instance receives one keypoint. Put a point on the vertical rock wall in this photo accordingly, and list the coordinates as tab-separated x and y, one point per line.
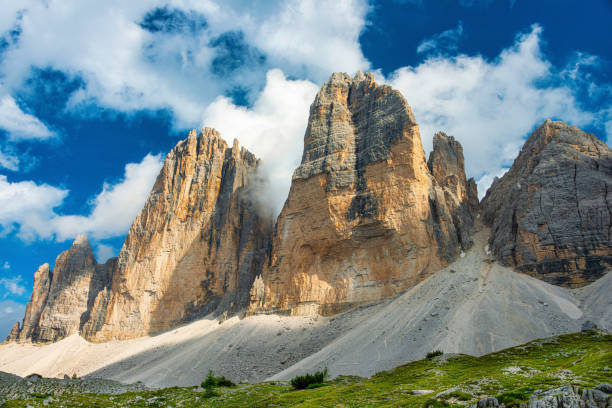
364	218
550	213
195	247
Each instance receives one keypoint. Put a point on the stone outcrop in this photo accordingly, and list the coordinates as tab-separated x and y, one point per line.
14	333
364	219
38	300
550	213
447	166
195	247
61	299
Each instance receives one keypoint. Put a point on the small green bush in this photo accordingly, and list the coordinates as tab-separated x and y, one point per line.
514	398
302	382
211	381
209	393
434	353
461	396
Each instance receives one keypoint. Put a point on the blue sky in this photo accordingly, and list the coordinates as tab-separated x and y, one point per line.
93	96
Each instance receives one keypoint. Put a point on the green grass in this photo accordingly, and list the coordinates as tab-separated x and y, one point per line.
456	382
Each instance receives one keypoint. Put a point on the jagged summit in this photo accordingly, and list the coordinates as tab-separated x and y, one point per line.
550	212
81	240
365	218
195	247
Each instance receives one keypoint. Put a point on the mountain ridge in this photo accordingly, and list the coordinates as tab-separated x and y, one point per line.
367	217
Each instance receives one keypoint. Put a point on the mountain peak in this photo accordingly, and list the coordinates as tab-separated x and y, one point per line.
81	240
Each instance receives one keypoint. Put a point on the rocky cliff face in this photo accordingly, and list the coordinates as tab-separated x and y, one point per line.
550	213
447	166
38	300
195	247
364	219
60	300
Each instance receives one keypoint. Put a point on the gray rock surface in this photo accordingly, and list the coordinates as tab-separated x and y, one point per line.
570	397
446	164
14	387
550	213
61	299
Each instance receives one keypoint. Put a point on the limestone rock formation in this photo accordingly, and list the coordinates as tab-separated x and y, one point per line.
14	333
550	213
447	166
61	299
364	218
195	247
38	300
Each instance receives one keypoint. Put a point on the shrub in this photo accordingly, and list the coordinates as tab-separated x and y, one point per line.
434	353
315	380
514	398
461	396
211	381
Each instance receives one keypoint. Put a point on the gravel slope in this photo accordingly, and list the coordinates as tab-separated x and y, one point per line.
474	306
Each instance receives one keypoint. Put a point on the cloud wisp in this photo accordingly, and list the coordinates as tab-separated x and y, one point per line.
20	125
12	286
442	43
273	129
29	209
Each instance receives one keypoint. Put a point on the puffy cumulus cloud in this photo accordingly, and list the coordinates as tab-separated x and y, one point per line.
320	35
490	106
166	54
30	208
443	42
22	203
21	125
6	265
10	312
273	129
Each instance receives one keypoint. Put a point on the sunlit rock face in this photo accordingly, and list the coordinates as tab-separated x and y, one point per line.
195	247
61	299
550	213
365	219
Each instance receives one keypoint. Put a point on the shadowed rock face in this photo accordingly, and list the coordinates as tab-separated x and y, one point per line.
195	247
364	218
60	300
550	213
447	166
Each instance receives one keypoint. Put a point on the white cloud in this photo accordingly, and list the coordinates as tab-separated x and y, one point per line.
126	67
21	125
30	207
9	161
6	265
489	106
10	312
273	129
443	42
12	286
321	35
24	202
115	208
